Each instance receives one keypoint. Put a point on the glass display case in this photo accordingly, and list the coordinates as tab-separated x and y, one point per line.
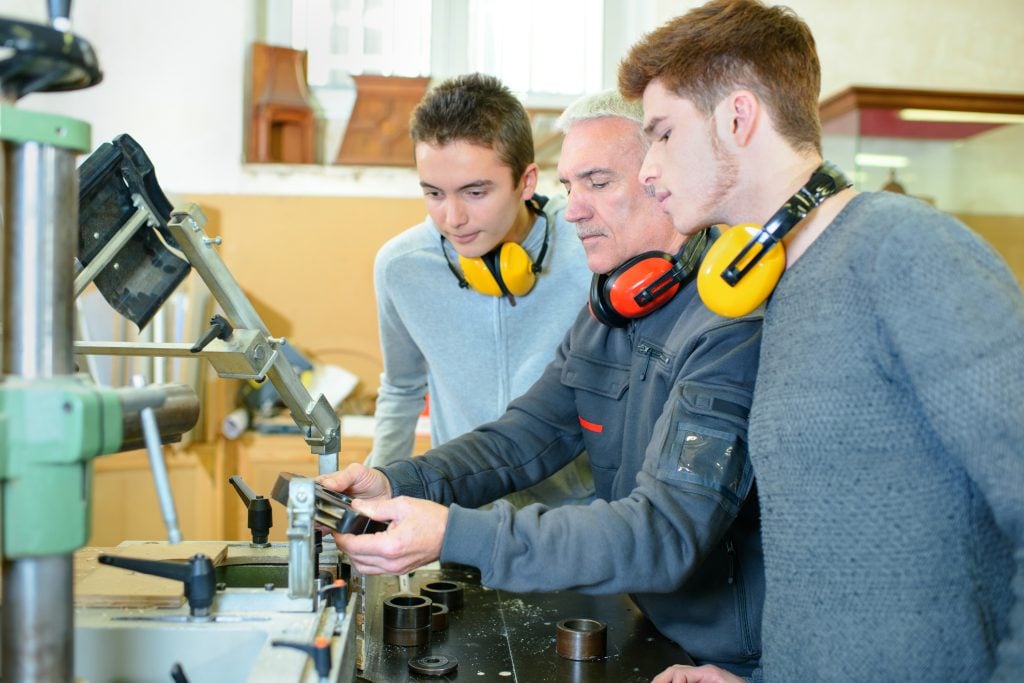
962	152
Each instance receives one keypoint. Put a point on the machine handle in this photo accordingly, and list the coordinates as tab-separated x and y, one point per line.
220	328
197	574
261	515
319	651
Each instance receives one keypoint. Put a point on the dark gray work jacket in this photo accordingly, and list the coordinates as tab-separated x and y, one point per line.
661	408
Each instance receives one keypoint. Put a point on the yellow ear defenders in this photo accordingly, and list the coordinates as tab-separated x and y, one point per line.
743	266
506	270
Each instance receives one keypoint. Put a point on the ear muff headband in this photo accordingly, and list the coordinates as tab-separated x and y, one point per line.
644	283
743	266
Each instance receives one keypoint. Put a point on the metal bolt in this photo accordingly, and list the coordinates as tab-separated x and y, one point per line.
211	240
300	496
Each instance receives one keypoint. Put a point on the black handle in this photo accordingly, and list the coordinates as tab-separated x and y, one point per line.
336	594
220	328
261	515
178	674
197	574
319	651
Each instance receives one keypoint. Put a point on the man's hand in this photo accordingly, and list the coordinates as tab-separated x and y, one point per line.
695	674
358	481
413	538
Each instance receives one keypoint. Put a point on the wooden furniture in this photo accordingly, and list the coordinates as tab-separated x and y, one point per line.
283	124
378	130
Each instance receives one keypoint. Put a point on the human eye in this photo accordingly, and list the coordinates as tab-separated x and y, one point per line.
431	193
476	193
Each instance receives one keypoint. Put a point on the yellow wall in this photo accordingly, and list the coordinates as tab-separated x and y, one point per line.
306	264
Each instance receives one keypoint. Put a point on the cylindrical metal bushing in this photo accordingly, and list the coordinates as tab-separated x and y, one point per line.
404	611
448	593
581	639
438	617
407	637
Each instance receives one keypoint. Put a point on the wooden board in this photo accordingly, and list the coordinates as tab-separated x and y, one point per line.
105	586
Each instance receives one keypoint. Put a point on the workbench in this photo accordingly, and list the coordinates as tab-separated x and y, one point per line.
510	637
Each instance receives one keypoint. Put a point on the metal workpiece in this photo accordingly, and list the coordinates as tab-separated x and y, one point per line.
448	593
438	617
433	665
404	611
581	639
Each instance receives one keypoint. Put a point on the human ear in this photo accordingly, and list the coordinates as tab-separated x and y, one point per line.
741	112
529	180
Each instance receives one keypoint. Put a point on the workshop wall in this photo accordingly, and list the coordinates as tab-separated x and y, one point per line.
306	263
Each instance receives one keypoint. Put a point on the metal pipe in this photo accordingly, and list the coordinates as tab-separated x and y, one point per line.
175	406
40	230
40	240
37	619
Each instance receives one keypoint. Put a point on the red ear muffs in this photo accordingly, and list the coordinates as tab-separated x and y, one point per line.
644	283
618	297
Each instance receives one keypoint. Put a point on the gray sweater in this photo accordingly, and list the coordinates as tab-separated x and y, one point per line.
473	353
887	437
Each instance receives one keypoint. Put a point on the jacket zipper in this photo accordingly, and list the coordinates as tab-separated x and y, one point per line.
650	352
741	596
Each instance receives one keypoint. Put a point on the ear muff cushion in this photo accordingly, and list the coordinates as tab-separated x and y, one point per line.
516	269
752	290
479	276
598	305
633	277
514	265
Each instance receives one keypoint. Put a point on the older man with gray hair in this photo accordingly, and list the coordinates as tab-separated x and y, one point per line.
653	385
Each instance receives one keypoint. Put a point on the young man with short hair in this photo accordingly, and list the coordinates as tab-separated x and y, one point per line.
886	430
472	301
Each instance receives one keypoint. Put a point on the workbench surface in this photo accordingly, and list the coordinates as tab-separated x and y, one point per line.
510	637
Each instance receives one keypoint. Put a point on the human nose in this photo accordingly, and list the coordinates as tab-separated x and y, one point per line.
454	213
576	208
650	169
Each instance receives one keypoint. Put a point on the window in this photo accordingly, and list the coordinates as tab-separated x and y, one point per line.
547	52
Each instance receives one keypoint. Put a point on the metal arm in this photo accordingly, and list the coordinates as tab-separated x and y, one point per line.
250	352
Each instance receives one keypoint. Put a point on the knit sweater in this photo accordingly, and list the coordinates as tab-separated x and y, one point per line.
473	353
886	436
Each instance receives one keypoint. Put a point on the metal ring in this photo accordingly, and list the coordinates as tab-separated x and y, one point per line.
438	617
448	593
581	639
433	665
407	636
407	611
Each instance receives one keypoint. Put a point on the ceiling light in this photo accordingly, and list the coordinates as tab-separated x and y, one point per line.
881	160
944	116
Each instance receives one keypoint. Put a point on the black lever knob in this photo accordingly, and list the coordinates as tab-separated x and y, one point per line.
197	573
261	515
220	328
319	651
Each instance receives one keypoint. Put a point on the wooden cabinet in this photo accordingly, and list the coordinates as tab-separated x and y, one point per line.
124	502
